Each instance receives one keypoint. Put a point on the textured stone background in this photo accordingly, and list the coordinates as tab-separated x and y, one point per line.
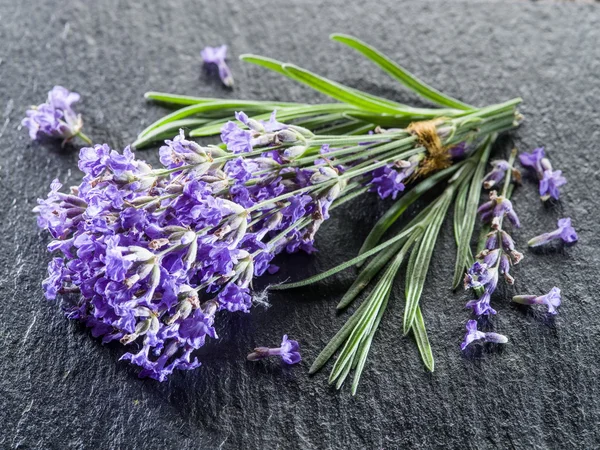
59	388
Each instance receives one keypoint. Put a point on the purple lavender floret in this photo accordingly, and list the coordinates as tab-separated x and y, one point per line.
564	232
533	160
473	334
217	56
497	174
55	118
258	134
549	180
289	351
496	209
389	180
552	300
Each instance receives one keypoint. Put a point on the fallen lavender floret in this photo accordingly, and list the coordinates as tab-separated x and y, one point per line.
289	351
473	334
549	180
217	56
564	232
551	300
56	117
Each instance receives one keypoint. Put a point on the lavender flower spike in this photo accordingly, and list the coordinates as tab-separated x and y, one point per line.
289	352
55	118
565	232
217	56
473	334
551	300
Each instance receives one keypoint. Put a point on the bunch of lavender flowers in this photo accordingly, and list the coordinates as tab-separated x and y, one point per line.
56	117
149	256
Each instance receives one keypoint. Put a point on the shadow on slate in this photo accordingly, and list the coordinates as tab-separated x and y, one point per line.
59	388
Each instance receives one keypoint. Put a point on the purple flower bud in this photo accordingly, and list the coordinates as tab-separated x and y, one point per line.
217	56
473	334
549	184
497	174
565	232
505	269
289	351
458	151
552	300
508	244
481	306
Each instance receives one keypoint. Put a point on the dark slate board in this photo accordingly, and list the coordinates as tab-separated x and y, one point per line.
59	388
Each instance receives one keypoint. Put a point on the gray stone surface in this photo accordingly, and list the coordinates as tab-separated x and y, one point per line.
59	388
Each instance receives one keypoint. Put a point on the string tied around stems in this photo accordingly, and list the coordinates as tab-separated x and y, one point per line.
438	156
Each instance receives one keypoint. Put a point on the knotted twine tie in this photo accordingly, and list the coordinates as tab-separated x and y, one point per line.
438	155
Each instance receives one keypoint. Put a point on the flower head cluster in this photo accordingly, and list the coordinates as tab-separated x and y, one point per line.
217	56
151	255
288	351
565	232
550	180
551	300
56	117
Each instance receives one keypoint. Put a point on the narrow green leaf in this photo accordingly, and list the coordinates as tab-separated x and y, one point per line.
398	208
401	74
337	340
344	93
342	266
175	99
459	211
379	261
469	214
170	128
339	91
279	67
223	106
384	120
419	265
363	351
422	340
377	299
284	114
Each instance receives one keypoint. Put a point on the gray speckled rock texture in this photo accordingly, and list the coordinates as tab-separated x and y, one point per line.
60	388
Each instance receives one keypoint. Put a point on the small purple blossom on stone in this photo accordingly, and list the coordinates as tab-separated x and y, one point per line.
55	118
217	56
549	180
533	160
552	300
289	351
497	173
549	184
564	232
473	334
